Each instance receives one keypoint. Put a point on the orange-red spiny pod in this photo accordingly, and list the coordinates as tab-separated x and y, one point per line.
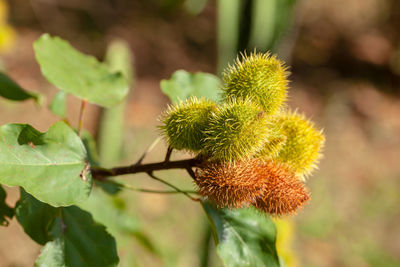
284	193
269	186
231	184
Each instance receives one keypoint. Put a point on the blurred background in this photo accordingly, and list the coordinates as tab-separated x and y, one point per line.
344	58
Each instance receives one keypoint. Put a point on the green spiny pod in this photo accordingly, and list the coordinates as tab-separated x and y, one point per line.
260	77
236	130
273	144
184	123
301	151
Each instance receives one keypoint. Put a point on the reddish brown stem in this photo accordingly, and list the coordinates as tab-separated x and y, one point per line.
99	173
168	155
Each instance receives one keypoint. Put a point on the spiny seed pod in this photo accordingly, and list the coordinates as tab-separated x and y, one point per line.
235	184
283	193
301	150
271	147
236	130
184	123
270	186
260	77
274	144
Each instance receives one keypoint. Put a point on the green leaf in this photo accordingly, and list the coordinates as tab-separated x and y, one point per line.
52	254
5	210
51	166
244	237
183	84
81	75
35	217
12	91
86	243
73	238
110	211
58	105
80	242
109	188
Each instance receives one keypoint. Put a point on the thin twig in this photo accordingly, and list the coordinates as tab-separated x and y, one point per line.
172	186
168	155
150	148
145	190
191	172
101	173
80	122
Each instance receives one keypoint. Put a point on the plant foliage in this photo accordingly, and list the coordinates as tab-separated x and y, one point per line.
70	235
51	166
12	91
244	237
183	84
79	74
249	157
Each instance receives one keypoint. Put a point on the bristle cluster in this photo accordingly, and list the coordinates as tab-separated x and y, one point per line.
269	186
301	150
261	77
230	184
274	143
253	151
236	130
284	193
185	123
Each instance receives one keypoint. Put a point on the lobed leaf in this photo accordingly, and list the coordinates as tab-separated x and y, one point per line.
35	217
71	235
183	84
12	91
51	166
81	75
86	243
244	237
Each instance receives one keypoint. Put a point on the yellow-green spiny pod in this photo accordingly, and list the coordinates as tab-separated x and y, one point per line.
301	151
236	130
184	124
271	147
260	77
274	142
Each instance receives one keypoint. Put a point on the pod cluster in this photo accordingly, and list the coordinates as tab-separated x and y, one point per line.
255	151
